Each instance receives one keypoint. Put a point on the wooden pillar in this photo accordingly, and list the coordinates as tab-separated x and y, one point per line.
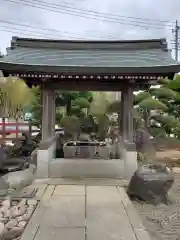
52	112
126	124
45	114
48	113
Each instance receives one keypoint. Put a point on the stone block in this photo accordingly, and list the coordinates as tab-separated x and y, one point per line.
65	211
46	233
66	190
106	216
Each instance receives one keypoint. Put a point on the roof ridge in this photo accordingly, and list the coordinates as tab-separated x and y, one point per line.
159	43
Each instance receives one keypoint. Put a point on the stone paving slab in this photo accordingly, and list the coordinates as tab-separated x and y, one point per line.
65	211
106	217
34	223
69	190
133	216
48	233
85	181
85	213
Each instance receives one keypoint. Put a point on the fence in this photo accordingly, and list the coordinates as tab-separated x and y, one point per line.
12	131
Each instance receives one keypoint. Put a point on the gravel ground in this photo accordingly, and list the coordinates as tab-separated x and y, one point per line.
14	217
163	221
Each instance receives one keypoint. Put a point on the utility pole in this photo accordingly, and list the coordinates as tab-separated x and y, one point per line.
176	32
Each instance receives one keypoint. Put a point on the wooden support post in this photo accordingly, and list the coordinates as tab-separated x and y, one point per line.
45	117
48	113
126	124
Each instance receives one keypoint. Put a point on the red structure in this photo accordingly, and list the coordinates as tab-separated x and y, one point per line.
7	128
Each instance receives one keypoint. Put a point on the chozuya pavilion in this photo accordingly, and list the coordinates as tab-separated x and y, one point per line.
88	65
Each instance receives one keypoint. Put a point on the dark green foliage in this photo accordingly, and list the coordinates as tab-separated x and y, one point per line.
160	108
72	101
114	107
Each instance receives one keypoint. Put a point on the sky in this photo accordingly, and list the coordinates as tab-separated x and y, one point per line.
65	25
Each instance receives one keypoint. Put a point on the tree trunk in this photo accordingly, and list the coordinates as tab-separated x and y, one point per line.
68	107
146	119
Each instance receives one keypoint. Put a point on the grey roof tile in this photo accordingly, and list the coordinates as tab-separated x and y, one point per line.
133	56
89	58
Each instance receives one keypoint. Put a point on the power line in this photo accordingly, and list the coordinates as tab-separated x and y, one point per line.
151	21
49	35
29	25
21	33
83	14
44	35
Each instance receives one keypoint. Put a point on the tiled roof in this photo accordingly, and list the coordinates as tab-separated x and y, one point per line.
89	54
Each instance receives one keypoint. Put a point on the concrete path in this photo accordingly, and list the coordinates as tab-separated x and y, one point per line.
70	212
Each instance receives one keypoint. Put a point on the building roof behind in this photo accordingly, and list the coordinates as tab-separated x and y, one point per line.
136	54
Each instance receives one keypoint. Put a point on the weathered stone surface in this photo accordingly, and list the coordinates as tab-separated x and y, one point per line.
66	211
24	217
3	220
14	218
30	208
20	179
1	214
155	181
12	223
3	157
176	170
1	229
46	233
22	210
22	224
32	202
12	233
22	202
106	216
7	213
69	190
6	203
3	187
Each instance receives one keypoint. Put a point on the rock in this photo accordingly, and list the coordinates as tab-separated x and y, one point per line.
3	220
3	187
12	223
14	211
3	209
2	227
22	210
22	203
19	211
6	203
15	214
176	170
151	183
3	157
20	179
12	233
25	217
7	213
20	218
1	214
22	224
28	215
14	203
30	208
32	202
14	208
